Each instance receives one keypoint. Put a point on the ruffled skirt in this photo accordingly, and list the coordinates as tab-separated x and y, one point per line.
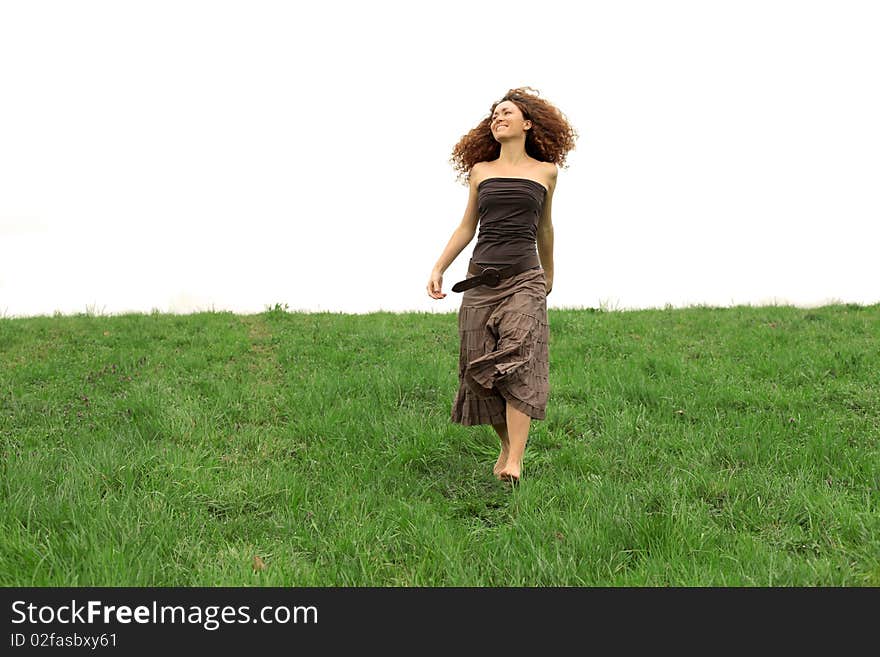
503	357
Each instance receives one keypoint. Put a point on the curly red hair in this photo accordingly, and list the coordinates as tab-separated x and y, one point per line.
550	138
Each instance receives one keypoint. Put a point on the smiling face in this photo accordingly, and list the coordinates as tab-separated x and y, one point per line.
508	121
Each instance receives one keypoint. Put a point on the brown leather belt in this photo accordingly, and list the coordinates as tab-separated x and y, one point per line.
491	275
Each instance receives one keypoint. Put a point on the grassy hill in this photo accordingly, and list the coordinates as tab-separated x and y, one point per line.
687	447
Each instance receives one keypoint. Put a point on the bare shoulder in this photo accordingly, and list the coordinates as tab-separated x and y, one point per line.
551	172
478	172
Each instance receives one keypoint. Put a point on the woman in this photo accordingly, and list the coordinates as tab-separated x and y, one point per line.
510	161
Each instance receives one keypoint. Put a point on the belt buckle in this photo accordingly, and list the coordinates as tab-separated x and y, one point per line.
491	276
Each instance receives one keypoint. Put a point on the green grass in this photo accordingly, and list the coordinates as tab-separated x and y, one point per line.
688	447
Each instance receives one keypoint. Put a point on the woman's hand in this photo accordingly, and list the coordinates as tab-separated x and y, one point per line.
548	280
435	285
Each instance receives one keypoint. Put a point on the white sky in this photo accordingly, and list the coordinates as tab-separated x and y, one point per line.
185	155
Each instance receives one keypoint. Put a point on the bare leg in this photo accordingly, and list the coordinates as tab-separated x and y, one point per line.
501	430
518	433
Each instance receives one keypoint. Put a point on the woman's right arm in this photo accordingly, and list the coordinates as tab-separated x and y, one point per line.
461	237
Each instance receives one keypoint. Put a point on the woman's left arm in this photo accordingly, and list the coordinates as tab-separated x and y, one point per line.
545	230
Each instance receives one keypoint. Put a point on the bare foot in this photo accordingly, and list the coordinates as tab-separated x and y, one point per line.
509	473
500	463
